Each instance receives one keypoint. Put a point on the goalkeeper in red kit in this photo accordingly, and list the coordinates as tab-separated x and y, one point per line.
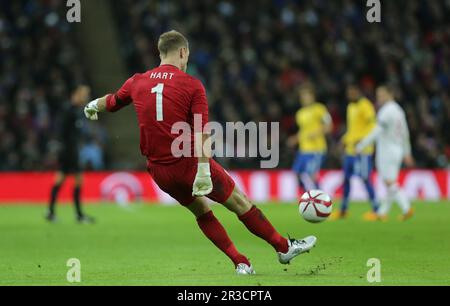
163	97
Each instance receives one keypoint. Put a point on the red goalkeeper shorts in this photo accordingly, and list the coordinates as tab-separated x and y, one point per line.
177	180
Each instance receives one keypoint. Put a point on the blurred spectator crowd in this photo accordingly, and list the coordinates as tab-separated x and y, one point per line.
252	55
39	64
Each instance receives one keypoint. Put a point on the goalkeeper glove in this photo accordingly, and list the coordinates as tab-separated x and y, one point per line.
203	184
91	110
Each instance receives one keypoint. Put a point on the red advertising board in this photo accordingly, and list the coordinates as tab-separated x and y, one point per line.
261	186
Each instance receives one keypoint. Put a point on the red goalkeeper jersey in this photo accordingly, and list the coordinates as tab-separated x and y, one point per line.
162	97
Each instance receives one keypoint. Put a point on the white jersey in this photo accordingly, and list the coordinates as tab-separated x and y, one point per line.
393	139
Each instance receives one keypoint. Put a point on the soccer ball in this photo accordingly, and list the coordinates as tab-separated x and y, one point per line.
315	206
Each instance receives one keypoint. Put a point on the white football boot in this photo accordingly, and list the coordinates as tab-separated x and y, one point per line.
297	247
243	269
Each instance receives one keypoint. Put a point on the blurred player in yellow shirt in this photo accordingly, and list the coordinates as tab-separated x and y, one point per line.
361	120
314	122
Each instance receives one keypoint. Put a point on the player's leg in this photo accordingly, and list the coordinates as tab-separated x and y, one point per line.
385	207
257	223
81	217
389	171
226	192
59	180
386	203
314	167
348	172
298	168
309	170
177	180
403	201
77	194
216	233
366	170
396	194
349	165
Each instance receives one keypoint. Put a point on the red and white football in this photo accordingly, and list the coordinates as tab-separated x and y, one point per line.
315	206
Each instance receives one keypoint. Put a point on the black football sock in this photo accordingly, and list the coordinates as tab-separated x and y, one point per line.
53	197
76	200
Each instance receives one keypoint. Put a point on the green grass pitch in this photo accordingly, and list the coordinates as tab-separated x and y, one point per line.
155	245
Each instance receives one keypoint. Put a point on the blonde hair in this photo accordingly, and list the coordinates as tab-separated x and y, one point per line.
307	86
171	41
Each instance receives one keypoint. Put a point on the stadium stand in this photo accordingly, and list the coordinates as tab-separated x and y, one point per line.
251	58
39	64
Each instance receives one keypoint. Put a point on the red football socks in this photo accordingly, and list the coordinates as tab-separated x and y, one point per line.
258	224
215	232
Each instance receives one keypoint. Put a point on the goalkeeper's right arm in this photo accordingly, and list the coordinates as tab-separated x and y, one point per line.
111	102
94	107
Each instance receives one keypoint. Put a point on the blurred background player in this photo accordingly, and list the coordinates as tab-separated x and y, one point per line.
393	147
70	134
361	120
314	123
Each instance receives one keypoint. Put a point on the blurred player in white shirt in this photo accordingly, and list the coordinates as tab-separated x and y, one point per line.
393	147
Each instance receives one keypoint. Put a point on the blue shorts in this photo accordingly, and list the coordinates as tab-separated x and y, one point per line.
361	165
309	163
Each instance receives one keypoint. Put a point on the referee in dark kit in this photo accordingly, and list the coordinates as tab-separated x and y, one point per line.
70	134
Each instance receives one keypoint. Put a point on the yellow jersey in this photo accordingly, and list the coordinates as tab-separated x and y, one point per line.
361	120
310	121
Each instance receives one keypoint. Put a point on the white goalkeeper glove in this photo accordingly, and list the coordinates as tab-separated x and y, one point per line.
203	184
91	110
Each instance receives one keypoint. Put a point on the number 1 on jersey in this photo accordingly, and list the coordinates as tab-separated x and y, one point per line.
159	101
